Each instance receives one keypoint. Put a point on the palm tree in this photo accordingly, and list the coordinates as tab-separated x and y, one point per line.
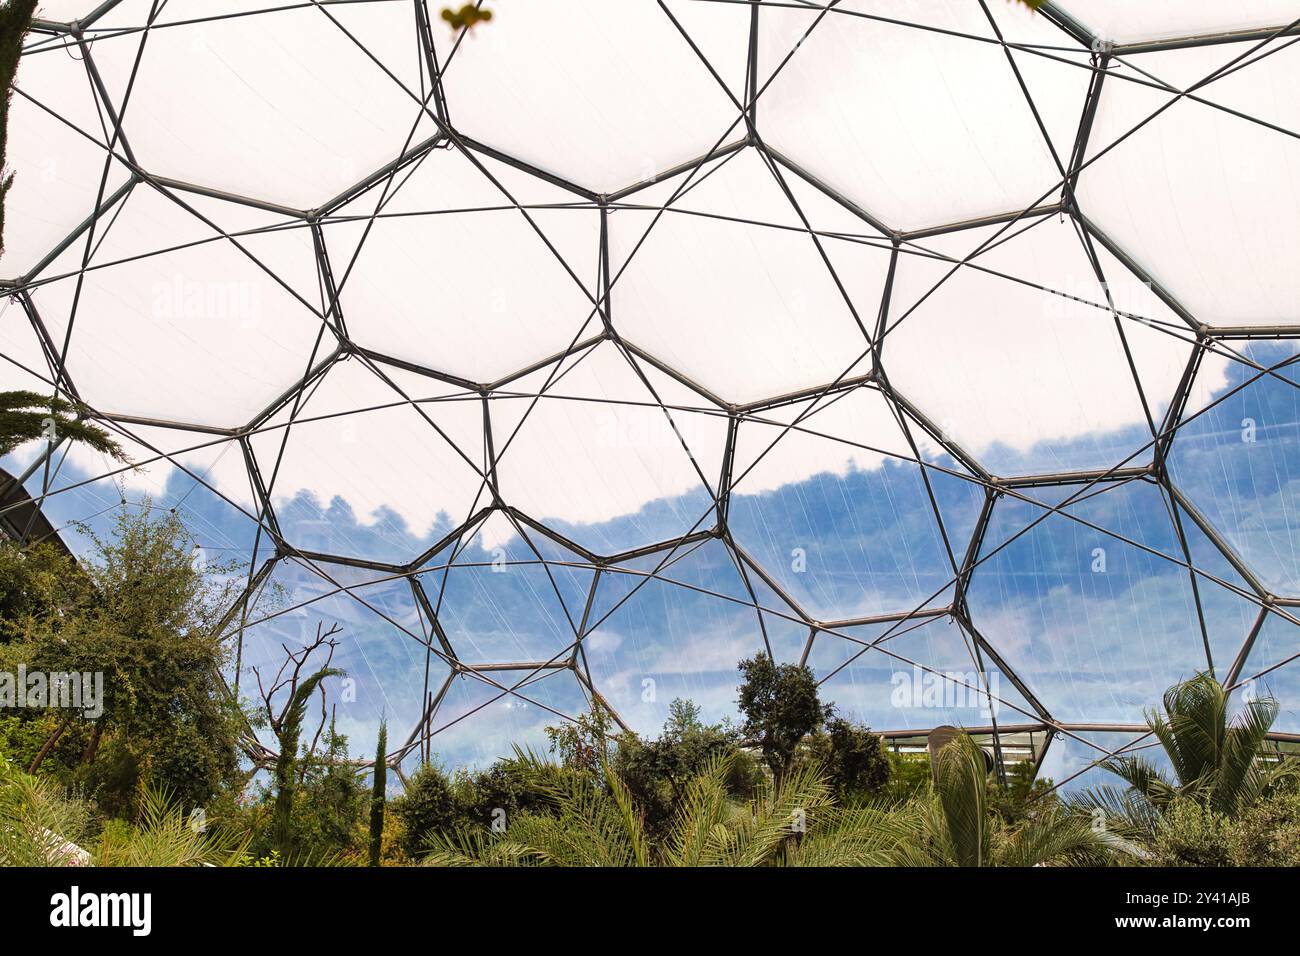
953	825
25	416
165	835
595	822
1215	761
41	825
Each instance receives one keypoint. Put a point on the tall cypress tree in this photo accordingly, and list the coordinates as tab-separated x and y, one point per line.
377	795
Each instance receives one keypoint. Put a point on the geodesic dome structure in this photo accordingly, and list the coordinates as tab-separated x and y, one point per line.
946	347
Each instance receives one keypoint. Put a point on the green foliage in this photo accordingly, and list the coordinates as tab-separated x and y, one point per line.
1022	795
43	825
379	795
657	771
780	707
584	744
909	776
39	584
596	822
1267	833
165	834
328	823
141	614
1217	763
40	824
285	721
465	17
429	806
331	806
953	825
288	730
1191	834
26	416
854	758
15	20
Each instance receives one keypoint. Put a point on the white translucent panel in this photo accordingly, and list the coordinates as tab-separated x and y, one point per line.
672	624
598	455
482	718
172	320
57	152
624	95
507	596
751	310
439	268
1206	201
721	33
913	674
833	506
1098	626
66	11
959	138
1124	21
24	366
836	433
281	106
365	469
1030	379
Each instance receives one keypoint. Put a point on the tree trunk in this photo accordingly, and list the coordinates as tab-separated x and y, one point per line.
92	748
49	744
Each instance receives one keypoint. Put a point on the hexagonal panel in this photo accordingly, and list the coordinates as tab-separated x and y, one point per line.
161	318
627	96
320	109
439	267
608	451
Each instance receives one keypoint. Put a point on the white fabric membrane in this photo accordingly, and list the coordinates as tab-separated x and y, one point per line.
585	183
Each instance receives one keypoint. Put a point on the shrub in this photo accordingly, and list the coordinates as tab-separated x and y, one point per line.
1268	833
854	758
1191	834
429	806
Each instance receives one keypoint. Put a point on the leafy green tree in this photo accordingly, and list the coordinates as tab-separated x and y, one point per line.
658	770
854	758
330	801
429	805
15	21
378	795
40	584
781	707
142	614
584	744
